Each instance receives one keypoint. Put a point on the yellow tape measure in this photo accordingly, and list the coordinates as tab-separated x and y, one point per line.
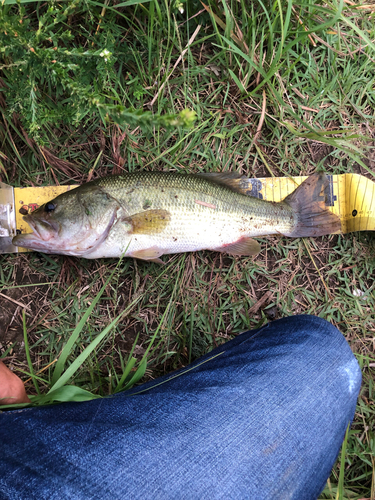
350	196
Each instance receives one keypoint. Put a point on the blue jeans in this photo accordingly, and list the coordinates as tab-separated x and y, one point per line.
261	417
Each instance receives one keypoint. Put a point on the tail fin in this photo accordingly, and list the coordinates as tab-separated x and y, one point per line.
308	202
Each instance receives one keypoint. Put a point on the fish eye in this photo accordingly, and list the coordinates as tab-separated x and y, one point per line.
49	207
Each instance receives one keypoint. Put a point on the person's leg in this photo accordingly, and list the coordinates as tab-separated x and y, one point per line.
261	417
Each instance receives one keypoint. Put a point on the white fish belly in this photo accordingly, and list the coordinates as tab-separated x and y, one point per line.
185	234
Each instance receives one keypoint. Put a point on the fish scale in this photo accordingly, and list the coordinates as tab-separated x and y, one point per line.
148	214
182	195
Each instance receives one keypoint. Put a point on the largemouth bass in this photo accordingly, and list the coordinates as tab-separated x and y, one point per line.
148	214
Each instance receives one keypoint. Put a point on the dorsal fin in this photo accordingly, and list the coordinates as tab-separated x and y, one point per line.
231	180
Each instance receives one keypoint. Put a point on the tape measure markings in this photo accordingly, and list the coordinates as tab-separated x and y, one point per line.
371	207
349	196
371	211
355	211
355	205
364	208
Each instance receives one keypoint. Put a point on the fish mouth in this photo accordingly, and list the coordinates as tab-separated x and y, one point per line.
30	241
40	239
45	230
46	238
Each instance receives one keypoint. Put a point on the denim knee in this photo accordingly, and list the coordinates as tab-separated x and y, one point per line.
321	338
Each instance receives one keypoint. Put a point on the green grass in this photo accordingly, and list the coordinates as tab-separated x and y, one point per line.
277	89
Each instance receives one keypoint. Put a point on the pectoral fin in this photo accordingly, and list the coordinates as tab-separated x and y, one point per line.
244	246
149	222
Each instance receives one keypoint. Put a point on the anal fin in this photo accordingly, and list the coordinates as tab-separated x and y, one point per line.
244	246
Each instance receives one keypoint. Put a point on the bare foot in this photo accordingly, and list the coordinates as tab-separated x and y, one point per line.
12	390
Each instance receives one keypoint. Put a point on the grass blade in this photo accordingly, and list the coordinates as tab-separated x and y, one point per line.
27	351
70	371
340	489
